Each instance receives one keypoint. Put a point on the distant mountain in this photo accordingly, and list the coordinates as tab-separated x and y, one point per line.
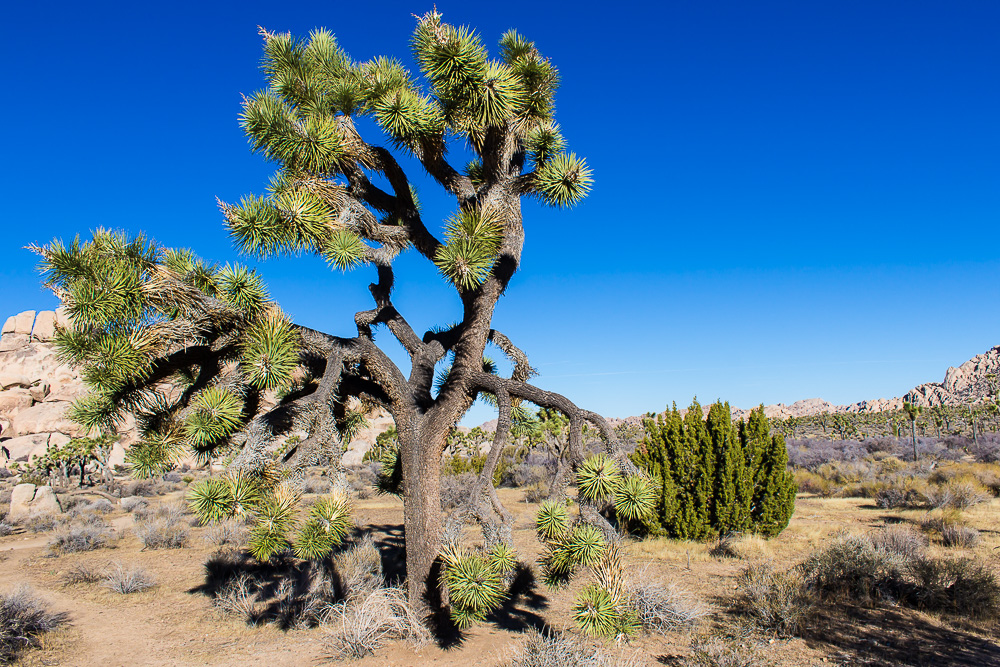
968	383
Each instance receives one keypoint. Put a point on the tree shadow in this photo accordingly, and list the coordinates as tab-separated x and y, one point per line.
390	540
890	637
514	614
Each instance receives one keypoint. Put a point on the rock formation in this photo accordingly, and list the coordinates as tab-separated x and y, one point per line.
36	391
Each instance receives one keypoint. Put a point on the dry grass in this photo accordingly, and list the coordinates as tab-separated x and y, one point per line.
362	628
561	650
23	619
126	580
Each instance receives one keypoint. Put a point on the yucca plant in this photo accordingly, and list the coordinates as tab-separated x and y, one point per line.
598	478
552	520
475	584
635	499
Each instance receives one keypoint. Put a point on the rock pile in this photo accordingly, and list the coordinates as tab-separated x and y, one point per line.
35	388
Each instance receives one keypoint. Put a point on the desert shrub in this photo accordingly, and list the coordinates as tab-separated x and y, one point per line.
229	534
963	537
537	492
664	608
80	535
807	481
146	488
359	569
133	503
716	651
5	529
362	628
554	649
901	540
741	546
83	573
164	531
937	520
127	580
960	493
238	597
290	593
853	567
898	492
455	489
959	587
23	619
173	477
317	485
774	601
987	449
42	522
101	506
71	502
525	474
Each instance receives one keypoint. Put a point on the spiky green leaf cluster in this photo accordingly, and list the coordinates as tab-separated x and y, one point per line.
598	478
552	520
326	525
270	351
216	414
563	180
473	239
598	614
635	499
155	454
274	520
475	583
210	500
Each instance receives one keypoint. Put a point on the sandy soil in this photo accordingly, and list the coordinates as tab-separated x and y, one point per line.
175	624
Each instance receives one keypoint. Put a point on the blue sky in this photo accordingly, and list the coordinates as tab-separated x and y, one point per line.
792	199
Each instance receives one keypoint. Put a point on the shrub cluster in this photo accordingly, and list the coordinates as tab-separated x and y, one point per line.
714	477
23	619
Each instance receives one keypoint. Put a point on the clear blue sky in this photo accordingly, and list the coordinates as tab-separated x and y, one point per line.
793	199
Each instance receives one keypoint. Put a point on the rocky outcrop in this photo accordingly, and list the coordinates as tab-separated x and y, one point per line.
27	500
36	389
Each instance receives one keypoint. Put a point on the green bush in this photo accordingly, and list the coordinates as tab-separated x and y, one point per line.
714	477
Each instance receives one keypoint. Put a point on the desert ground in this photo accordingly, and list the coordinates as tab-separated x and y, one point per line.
175	622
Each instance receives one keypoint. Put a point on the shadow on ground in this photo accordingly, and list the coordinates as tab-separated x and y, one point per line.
889	637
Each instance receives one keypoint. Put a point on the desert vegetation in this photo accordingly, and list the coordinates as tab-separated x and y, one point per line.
691	539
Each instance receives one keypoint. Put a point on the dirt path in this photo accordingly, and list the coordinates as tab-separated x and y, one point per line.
174	624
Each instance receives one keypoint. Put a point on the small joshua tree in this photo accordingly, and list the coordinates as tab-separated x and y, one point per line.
913	411
143	314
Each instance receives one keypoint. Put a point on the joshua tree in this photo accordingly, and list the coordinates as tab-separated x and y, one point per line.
143	314
913	411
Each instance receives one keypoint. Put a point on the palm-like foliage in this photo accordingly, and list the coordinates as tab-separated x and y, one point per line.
635	499
552	520
475	583
598	478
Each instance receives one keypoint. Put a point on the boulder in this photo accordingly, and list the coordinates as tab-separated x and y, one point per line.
45	501
14	341
45	418
23	322
62	317
20	502
8	326
40	391
8	380
45	326
14	401
27	500
27	447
